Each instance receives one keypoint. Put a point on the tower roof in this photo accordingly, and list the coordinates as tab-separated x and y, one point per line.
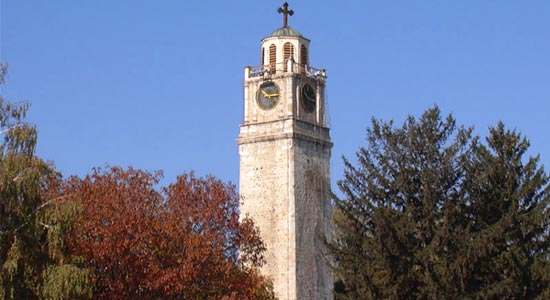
286	31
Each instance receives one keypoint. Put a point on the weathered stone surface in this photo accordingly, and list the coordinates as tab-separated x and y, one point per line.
285	179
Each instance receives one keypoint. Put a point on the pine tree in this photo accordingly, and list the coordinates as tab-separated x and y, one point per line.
430	212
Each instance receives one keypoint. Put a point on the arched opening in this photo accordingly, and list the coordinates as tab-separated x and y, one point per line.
303	56
272	56
288	53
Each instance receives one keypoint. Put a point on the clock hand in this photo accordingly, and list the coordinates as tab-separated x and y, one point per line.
265	94
272	95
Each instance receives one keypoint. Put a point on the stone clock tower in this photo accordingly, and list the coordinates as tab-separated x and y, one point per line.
284	148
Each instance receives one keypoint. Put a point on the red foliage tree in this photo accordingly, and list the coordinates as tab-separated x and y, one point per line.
185	242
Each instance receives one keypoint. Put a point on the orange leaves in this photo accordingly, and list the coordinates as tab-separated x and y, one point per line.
184	242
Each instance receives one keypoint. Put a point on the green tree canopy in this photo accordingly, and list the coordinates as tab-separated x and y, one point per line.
431	212
34	263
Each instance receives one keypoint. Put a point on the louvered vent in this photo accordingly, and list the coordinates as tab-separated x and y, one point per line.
272	56
303	56
288	53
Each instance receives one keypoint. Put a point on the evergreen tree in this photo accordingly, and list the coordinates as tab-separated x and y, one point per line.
430	212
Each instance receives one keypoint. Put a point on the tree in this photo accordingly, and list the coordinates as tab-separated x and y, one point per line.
430	212
62	277
185	242
28	230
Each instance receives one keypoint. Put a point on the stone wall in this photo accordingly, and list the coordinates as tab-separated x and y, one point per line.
313	218
285	181
265	185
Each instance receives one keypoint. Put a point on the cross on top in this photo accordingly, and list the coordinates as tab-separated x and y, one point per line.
286	12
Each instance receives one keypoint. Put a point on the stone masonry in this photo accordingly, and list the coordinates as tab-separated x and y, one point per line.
285	170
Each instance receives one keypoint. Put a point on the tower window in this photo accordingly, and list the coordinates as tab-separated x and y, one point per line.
303	56
263	56
288	53
272	56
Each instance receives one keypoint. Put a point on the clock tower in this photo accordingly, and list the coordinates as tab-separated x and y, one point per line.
284	149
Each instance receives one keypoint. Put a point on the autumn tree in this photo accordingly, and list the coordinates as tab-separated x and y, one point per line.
431	212
183	242
31	262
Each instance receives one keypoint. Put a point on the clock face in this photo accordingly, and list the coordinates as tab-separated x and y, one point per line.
268	95
309	98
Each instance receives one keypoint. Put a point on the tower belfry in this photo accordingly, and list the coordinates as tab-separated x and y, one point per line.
284	149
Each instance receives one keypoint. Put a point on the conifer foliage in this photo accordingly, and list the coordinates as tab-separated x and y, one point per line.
431	212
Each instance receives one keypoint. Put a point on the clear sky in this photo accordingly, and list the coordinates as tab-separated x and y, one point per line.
158	84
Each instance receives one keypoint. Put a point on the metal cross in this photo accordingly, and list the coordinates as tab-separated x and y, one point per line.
286	12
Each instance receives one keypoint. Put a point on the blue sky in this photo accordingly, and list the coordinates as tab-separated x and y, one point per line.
158	84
